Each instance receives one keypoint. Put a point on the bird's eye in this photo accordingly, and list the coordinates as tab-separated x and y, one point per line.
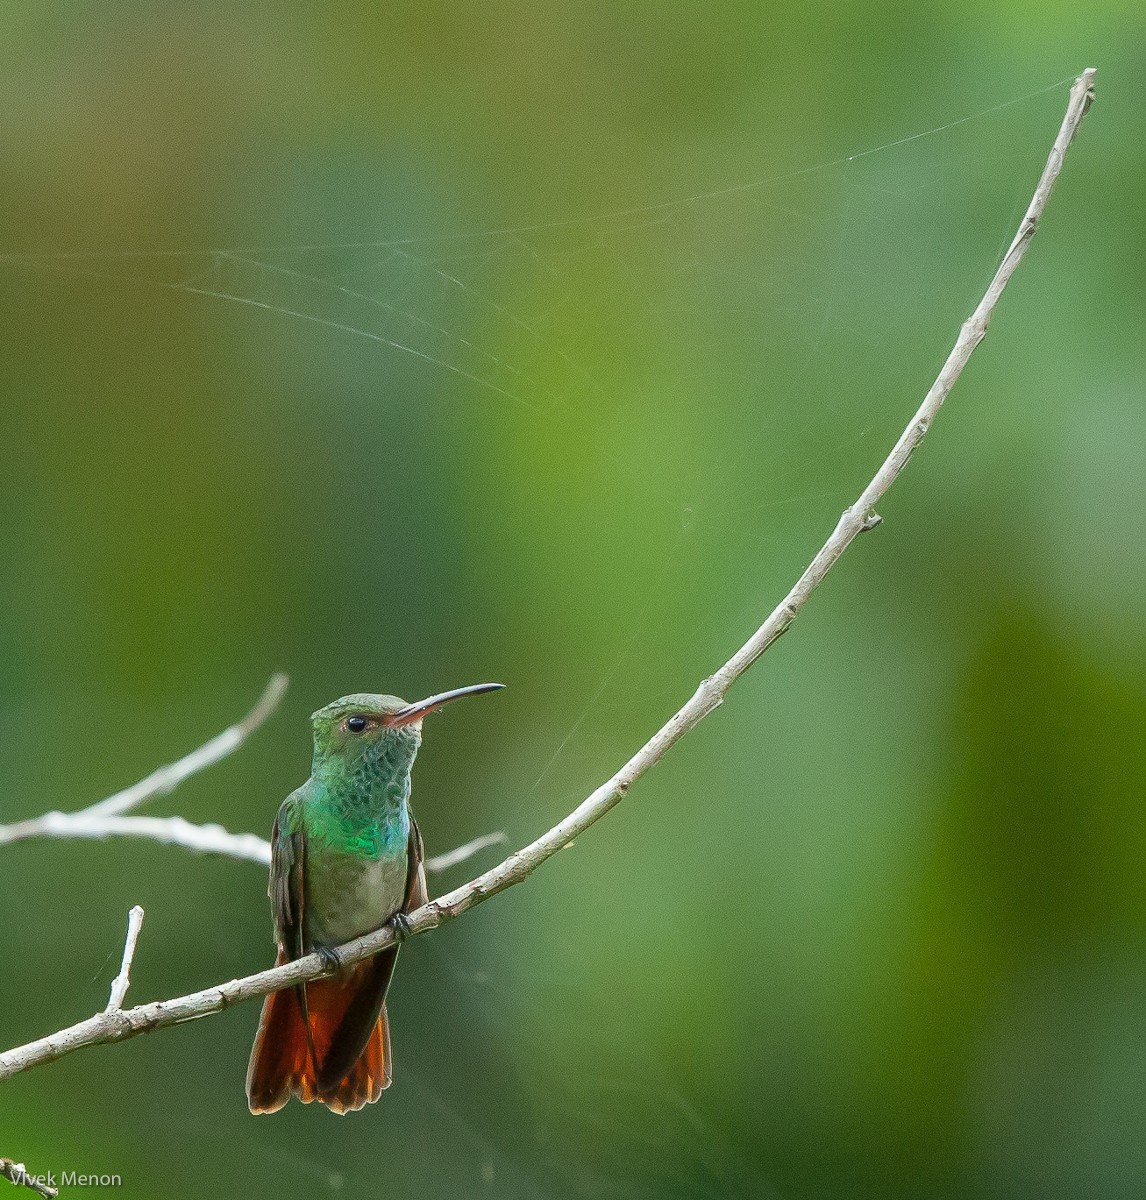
356	724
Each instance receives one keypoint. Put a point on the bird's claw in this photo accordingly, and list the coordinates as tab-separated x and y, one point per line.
331	959
401	927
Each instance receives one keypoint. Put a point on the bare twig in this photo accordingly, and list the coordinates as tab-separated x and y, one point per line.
167	779
205	839
452	858
122	981
18	1174
105	818
125	1023
171	831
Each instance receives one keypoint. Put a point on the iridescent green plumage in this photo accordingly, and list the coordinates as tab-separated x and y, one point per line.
354	815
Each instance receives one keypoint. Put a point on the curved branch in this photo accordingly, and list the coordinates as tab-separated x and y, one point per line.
166	779
124	1023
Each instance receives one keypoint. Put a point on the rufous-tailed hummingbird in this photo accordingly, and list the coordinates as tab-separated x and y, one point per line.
346	858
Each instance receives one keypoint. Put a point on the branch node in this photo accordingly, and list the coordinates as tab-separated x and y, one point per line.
1088	98
870	522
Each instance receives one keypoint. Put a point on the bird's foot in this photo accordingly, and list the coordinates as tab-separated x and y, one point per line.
331	959
401	927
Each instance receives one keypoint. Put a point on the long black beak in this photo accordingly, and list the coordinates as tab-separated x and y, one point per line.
415	712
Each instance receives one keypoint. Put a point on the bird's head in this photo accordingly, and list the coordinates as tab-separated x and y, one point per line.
369	724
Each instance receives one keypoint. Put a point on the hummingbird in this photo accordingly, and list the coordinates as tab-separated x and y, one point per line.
346	859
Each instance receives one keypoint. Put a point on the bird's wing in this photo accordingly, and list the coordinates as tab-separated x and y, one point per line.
416	892
288	879
287	890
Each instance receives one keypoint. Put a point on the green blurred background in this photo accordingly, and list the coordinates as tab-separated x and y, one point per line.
477	361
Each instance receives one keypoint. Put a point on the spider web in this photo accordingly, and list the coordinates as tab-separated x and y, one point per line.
519	315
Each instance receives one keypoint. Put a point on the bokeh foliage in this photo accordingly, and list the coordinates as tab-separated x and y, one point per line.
879	927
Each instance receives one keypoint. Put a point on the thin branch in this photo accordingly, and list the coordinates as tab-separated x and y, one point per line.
122	981
204	839
171	831
125	1023
166	779
105	817
452	858
18	1174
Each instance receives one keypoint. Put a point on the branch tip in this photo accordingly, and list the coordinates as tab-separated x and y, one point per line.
122	981
266	704
19	1175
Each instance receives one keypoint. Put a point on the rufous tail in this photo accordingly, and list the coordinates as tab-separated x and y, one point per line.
345	1063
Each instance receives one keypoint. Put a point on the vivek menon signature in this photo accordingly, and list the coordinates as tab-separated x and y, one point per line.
47	1183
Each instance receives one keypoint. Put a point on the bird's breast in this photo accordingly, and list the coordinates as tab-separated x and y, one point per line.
348	895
